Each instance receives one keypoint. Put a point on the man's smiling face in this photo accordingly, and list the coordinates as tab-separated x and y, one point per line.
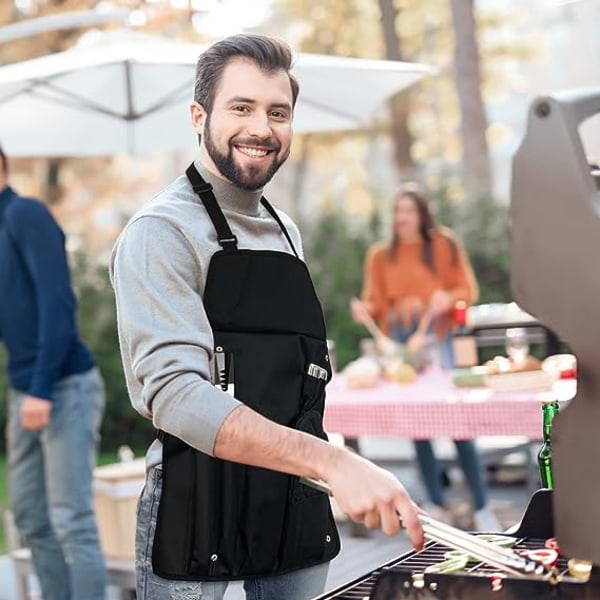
248	133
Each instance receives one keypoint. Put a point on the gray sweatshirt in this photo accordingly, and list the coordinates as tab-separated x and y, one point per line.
158	271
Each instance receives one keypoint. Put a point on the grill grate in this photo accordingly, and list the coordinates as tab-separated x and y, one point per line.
416	562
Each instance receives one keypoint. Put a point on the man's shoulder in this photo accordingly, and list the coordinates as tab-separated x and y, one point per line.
286	219
23	210
24	204
175	202
172	214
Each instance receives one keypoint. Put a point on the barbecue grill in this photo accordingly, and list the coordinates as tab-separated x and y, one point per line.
405	577
555	209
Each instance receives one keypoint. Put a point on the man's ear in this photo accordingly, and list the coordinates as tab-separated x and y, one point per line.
198	115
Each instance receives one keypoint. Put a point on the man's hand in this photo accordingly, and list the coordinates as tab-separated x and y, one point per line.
35	413
371	495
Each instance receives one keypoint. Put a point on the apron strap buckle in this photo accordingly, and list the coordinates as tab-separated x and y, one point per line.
202	188
228	242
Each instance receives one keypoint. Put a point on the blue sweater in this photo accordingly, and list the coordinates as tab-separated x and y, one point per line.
37	304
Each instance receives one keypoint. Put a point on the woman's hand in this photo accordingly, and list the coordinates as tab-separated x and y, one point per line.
440	303
416	342
359	311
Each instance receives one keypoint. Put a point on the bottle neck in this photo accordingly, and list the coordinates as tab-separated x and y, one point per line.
549	411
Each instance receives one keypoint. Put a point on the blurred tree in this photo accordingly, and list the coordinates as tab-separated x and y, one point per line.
335	253
442	129
400	103
358	28
483	227
476	161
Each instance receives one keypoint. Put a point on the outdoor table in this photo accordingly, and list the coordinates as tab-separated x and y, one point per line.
433	407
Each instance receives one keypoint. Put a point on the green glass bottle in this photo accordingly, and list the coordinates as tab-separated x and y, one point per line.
549	410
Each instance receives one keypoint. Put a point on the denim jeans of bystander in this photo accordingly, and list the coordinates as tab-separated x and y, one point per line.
50	485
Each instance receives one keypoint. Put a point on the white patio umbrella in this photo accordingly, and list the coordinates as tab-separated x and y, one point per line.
126	92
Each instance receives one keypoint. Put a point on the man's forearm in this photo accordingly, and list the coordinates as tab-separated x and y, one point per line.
248	437
365	492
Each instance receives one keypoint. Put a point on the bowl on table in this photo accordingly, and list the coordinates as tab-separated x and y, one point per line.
562	365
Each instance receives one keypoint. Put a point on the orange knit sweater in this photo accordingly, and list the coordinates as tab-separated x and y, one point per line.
404	284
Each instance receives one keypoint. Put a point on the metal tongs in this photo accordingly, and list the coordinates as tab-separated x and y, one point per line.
504	559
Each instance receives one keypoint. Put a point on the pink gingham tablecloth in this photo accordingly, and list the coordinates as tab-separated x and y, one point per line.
432	407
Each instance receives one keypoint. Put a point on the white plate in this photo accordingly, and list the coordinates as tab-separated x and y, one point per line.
521	381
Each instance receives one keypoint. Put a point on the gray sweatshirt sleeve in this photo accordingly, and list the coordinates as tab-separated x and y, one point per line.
166	340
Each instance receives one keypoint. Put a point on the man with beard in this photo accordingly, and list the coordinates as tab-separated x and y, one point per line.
224	348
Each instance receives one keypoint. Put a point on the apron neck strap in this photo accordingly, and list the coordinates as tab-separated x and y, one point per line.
227	240
274	214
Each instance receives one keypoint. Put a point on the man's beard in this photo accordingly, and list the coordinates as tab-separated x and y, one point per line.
250	178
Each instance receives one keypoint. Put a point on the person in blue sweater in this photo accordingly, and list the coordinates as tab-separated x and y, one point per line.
56	402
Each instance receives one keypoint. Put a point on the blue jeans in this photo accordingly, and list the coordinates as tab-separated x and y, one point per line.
468	457
299	585
50	482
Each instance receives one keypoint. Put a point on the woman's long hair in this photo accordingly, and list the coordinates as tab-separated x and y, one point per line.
427	226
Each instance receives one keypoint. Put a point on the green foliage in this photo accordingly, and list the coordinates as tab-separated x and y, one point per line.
486	236
97	321
335	255
3	395
483	227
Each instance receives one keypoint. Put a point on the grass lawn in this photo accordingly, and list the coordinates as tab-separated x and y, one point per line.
103	459
3	502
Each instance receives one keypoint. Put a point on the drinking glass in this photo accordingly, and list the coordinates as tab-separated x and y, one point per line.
517	344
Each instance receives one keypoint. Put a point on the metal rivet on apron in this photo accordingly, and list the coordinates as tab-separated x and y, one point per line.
328	539
214	557
219	349
327	357
433	586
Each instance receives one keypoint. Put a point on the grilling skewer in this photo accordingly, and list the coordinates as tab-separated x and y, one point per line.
389	346
385	343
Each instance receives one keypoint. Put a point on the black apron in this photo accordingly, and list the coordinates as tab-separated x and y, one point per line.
219	520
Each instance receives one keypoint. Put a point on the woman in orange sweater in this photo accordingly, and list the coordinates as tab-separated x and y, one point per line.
414	279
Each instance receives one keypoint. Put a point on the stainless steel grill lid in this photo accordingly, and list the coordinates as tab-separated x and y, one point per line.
555	210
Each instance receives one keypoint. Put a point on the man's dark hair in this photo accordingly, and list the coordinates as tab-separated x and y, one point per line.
3	161
269	54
